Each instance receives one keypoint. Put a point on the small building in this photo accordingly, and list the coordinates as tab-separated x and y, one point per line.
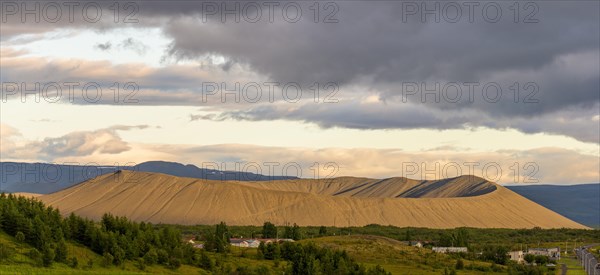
238	242
552	253
517	256
253	243
450	249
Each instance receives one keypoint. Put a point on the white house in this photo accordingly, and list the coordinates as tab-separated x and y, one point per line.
253	243
552	253
238	242
449	249
517	256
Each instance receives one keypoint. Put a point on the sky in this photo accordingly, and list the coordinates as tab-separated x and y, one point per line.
435	89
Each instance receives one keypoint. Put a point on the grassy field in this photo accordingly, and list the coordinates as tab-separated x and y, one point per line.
393	255
397	257
573	266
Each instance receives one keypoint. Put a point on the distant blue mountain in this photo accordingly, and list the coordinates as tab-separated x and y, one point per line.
44	178
580	203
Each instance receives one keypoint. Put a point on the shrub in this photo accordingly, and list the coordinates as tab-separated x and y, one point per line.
36	256
205	262
73	262
151	257
20	237
107	259
140	264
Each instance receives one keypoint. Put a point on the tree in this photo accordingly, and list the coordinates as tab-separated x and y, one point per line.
107	259
205	262
36	256
174	263
271	251
269	230
222	231
260	252
20	237
61	252
48	256
151	257
541	259
407	236
461	237
529	258
163	256
377	270
219	241
119	255
445	240
140	264
293	232
496	254
322	231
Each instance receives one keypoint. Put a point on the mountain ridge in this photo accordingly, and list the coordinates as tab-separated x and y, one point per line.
160	198
45	178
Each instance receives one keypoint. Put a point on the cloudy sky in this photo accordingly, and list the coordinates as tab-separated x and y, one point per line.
510	92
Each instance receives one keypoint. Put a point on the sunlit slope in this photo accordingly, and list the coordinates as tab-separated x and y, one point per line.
160	198
465	186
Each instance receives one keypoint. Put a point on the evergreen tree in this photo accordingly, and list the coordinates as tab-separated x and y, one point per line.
107	259
47	256
61	252
20	237
36	256
322	231
205	262
151	257
269	230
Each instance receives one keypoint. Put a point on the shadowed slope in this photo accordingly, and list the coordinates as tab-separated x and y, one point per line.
465	186
160	198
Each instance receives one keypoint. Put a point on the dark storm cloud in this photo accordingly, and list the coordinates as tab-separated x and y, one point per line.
373	48
371	40
583	125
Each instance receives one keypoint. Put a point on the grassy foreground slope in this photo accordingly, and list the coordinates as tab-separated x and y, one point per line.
19	262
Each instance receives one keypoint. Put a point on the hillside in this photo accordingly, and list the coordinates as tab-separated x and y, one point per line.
580	203
160	198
